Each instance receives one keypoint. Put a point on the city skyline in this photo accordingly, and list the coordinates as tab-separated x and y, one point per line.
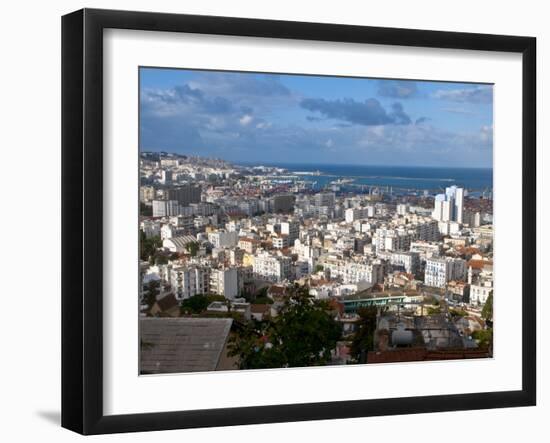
249	117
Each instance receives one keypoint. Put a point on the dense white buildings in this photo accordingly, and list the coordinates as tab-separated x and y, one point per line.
223	239
187	281
439	271
150	228
354	272
353	214
407	261
252	231
164	208
272	267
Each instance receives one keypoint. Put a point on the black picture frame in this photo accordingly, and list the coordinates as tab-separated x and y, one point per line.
82	187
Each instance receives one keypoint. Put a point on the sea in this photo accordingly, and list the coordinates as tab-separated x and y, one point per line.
399	178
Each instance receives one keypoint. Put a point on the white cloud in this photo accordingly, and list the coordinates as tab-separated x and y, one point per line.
246	119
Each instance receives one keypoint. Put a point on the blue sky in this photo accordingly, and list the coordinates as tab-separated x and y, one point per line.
277	118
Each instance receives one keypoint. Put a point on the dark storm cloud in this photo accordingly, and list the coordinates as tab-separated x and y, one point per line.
367	113
397	88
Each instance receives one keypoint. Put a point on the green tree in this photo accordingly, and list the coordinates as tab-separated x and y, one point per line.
303	334
319	268
192	248
148	246
363	339
457	313
198	303
434	311
484	338
487	311
145	210
153	289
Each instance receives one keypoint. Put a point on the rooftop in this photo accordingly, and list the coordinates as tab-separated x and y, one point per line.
171	345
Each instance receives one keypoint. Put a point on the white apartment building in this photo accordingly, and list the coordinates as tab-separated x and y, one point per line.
249	207
291	229
274	268
166	176
354	214
354	272
170	231
472	219
391	240
223	239
150	228
426	249
324	199
408	261
402	209
187	281
225	282
182	221
479	293
448	228
280	242
449	206
425	229
165	208
439	271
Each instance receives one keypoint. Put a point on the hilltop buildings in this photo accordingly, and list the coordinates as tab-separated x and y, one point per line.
234	233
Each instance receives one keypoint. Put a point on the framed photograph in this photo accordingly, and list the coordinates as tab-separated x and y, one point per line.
269	221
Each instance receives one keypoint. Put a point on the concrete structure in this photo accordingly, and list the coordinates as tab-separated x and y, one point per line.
165	208
187	281
223	239
291	229
449	206
439	271
151	228
407	261
178	244
225	282
274	268
354	272
184	195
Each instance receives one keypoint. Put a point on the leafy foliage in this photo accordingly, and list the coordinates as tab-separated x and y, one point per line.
487	311
192	248
145	210
198	303
434	311
456	313
303	334
363	339
148	246
484	338
153	289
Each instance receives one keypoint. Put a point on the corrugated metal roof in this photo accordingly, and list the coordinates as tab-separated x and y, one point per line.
171	345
